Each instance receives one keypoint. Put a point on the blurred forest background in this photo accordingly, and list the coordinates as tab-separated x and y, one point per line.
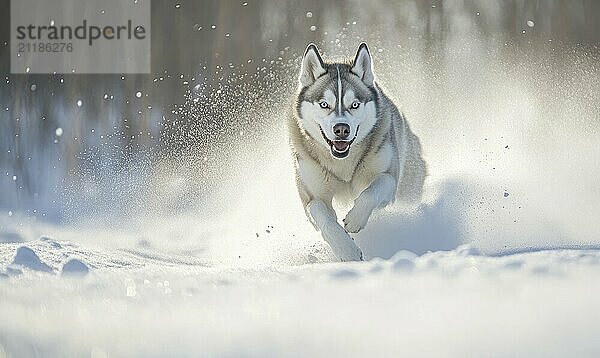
212	60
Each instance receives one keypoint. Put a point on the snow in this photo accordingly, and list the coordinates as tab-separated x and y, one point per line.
26	258
445	303
74	267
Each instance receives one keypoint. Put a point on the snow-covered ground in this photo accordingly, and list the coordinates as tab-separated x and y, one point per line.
446	303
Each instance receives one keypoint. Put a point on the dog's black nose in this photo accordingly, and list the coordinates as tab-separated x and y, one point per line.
341	130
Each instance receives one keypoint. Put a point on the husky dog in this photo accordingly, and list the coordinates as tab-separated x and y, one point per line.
349	142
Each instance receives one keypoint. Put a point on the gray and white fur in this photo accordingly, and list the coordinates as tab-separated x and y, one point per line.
350	142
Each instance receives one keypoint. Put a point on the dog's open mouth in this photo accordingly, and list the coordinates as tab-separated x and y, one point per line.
339	148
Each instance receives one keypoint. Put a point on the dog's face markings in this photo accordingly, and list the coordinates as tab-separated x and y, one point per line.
336	103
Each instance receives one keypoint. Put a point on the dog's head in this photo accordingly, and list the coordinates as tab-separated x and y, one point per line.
337	101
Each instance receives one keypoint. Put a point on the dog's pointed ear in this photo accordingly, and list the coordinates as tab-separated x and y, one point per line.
363	65
312	66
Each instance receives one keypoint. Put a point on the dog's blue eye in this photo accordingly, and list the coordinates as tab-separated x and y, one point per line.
324	104
355	105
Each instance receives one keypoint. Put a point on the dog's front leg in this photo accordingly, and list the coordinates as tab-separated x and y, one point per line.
341	243
379	193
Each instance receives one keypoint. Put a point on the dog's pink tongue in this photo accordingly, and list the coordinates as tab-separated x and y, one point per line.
340	145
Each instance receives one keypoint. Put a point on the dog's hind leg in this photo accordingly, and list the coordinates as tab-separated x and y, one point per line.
379	193
341	243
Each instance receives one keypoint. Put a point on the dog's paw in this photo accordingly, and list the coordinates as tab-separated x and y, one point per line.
356	219
342	245
350	253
